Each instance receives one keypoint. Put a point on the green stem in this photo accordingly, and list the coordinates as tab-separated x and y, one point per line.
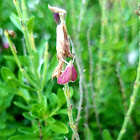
24	10
45	67
133	97
132	102
17	59
69	108
100	52
28	42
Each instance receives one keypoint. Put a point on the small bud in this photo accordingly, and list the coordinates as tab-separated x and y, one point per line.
12	34
71	106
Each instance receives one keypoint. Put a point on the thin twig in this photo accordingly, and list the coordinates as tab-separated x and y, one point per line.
69	109
81	15
91	79
132	102
133	97
80	83
121	86
40	130
78	57
18	61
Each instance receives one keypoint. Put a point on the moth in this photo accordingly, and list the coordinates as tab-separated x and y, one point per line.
69	74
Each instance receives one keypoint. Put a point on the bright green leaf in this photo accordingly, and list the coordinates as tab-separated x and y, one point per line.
7	74
20	105
51	68
28	116
106	135
59	127
24	137
50	120
30	24
16	21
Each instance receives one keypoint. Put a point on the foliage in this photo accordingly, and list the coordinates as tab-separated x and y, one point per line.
105	37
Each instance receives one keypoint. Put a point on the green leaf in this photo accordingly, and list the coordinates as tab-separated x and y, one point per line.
49	88
88	133
106	135
51	68
26	130
2	125
71	91
28	116
59	127
24	60
62	111
16	21
36	59
6	89
44	103
36	111
7	74
30	24
61	96
7	132
54	100
24	137
20	105
41	47
9	58
50	120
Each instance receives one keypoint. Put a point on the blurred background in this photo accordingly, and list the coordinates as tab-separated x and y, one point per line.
105	37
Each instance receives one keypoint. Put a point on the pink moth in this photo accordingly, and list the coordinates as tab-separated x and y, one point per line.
69	74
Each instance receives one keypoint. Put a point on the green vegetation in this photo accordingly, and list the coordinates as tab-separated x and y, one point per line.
103	102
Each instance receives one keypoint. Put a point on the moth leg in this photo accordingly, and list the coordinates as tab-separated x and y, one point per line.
64	60
73	59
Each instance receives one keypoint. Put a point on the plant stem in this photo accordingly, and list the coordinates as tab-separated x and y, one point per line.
17	60
28	42
24	10
121	84
91	79
132	102
40	130
133	97
45	66
78	58
69	108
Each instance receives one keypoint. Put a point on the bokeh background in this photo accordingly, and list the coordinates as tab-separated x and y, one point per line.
105	35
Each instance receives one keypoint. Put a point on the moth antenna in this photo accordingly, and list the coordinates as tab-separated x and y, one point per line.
64	61
73	59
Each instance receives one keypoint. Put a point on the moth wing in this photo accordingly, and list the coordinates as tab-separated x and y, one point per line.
65	76
74	73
